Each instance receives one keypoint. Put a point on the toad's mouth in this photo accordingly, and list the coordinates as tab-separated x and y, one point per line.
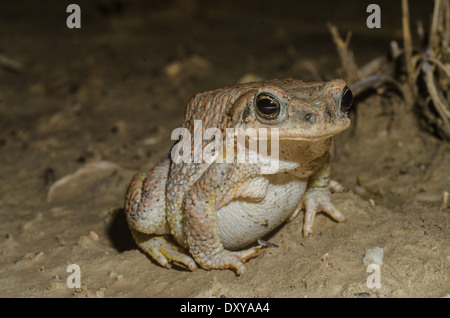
314	135
315	138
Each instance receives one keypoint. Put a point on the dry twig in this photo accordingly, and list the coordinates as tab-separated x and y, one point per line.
428	66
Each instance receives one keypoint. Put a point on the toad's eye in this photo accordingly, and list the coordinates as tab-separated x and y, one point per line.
346	99
267	106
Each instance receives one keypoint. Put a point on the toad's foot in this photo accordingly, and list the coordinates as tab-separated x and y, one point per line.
334	186
229	259
163	250
318	200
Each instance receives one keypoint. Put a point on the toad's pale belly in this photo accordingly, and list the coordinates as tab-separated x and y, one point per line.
242	222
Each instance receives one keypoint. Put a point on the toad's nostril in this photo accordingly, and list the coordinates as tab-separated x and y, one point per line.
310	117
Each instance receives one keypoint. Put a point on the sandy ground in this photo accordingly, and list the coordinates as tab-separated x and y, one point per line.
105	98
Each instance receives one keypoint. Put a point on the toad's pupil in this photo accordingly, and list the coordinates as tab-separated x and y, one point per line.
267	106
346	99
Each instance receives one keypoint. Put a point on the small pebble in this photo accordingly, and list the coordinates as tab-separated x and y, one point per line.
445	200
373	256
93	235
325	259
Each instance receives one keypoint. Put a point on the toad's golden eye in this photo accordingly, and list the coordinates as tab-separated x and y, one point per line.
267	106
346	99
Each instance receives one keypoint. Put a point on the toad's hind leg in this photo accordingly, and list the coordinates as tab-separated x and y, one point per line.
145	206
146	216
163	250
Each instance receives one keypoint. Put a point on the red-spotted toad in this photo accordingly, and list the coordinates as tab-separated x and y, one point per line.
206	213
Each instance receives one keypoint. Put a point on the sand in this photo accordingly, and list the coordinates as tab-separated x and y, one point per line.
105	98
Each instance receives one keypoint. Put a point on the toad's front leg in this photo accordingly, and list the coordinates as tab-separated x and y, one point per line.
317	199
317	196
201	227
